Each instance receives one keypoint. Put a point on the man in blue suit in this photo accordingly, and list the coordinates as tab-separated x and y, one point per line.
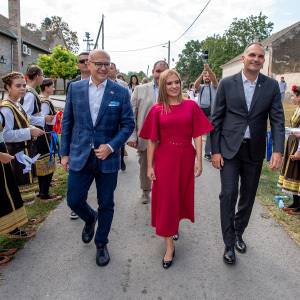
97	121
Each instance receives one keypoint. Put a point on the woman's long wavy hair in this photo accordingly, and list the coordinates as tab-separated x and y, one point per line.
162	92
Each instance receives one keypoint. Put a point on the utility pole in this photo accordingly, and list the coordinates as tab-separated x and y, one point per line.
101	28
102	32
169	53
88	40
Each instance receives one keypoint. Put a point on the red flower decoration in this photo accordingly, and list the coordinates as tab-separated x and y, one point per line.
26	78
293	88
52	79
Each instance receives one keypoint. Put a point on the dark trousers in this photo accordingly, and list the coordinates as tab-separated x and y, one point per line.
44	183
79	183
240	167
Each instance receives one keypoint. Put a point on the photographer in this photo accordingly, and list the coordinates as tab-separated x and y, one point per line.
206	98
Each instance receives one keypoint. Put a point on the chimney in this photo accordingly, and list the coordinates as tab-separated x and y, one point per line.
43	38
15	26
256	38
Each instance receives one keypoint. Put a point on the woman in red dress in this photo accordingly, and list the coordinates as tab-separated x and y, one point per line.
173	122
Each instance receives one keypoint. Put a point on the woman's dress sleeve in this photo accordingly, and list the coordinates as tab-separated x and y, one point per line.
201	124
150	129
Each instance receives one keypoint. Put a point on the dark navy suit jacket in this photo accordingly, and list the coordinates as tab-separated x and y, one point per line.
231	117
114	125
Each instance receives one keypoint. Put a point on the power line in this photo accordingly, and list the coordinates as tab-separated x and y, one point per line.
139	49
166	43
193	22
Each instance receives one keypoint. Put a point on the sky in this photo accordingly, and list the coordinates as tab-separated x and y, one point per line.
135	24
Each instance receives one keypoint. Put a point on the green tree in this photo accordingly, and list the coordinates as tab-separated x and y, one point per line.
190	64
221	48
243	31
59	64
70	36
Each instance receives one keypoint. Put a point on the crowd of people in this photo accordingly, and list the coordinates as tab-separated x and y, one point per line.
103	114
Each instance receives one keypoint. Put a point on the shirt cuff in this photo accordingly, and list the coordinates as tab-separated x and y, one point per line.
112	150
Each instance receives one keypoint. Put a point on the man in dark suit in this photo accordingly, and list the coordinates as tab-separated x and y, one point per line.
243	104
97	121
82	60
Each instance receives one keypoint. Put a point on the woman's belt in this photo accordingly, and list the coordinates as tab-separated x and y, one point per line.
179	143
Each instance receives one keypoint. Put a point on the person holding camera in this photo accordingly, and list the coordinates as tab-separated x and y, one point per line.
207	93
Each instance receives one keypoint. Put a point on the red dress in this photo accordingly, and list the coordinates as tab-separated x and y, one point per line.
174	160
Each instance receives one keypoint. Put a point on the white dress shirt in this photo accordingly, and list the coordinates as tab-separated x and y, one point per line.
95	100
249	89
10	135
28	105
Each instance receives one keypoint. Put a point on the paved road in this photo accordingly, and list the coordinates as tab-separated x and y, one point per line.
56	264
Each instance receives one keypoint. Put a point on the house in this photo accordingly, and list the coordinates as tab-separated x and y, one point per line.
20	47
282	58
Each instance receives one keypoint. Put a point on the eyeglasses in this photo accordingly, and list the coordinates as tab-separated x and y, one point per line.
99	65
83	61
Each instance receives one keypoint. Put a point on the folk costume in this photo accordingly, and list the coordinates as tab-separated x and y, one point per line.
12	212
48	109
289	178
17	136
32	105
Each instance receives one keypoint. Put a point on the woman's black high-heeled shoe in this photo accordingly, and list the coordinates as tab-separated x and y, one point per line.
176	237
168	264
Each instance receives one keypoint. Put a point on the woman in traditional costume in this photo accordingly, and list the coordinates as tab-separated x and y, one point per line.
48	109
173	122
12	211
289	179
32	104
18	134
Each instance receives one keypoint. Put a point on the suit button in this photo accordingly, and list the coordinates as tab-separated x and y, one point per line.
94	131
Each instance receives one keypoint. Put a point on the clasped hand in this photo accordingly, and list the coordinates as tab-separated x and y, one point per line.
103	151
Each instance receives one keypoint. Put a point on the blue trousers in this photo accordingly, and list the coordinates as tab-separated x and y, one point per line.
79	183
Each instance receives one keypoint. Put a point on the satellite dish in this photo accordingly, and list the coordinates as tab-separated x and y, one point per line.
47	21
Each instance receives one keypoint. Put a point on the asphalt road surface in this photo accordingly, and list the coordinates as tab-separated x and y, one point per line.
56	264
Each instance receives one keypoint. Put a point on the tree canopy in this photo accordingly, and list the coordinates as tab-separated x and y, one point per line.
221	48
70	36
59	64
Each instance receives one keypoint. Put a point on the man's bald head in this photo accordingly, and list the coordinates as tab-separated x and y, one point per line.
98	52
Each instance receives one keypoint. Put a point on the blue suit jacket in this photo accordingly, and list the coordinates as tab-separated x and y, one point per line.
114	125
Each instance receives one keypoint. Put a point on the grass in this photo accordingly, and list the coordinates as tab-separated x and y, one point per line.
268	189
38	209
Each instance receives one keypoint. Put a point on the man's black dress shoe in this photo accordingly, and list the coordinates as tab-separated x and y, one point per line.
102	256
229	255
168	264
89	230
240	246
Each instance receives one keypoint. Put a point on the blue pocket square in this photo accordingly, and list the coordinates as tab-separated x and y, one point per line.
114	103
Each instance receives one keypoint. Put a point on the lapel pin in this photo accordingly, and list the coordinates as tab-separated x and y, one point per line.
112	92
259	85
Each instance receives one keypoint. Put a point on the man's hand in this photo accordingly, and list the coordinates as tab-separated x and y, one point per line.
132	144
275	162
217	161
103	151
65	163
206	67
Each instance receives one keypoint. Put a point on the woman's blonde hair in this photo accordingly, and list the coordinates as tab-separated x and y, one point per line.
162	93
